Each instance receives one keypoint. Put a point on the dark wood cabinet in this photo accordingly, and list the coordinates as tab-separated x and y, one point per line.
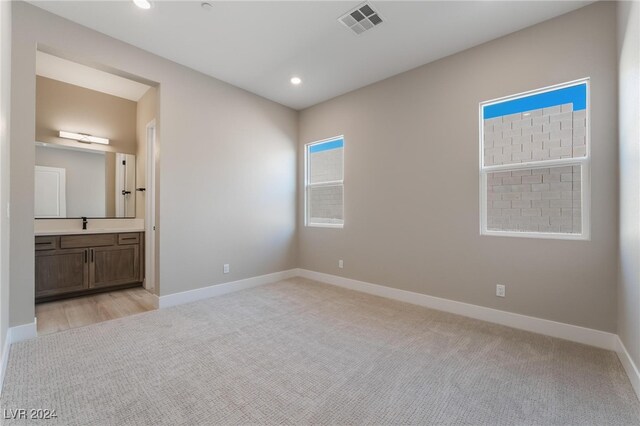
114	265
72	265
61	271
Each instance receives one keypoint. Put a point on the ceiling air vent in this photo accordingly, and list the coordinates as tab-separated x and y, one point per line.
361	19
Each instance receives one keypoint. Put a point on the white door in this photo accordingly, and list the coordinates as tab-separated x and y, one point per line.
50	192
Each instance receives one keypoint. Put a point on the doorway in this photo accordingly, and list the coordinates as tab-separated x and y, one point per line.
91	261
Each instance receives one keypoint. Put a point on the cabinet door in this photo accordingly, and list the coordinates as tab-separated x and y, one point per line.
61	271
114	265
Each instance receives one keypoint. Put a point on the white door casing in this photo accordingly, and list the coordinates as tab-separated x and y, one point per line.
150	208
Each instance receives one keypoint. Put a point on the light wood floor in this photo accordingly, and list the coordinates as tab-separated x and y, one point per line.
80	311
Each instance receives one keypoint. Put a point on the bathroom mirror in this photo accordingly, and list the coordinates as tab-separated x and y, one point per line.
72	182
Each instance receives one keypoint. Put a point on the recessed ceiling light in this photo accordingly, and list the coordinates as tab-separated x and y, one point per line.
143	4
296	81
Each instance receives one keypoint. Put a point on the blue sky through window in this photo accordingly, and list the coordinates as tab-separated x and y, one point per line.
576	95
325	146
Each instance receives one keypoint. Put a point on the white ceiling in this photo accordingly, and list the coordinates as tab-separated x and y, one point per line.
81	75
259	45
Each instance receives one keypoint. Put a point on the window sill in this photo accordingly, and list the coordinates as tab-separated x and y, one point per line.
539	235
325	225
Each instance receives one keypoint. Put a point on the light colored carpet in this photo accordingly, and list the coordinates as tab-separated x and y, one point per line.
300	352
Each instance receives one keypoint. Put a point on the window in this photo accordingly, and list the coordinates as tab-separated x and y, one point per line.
534	163
324	183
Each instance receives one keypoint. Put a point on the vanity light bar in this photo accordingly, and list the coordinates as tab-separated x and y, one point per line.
83	138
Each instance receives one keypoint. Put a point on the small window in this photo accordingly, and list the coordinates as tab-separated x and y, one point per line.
534	165
324	183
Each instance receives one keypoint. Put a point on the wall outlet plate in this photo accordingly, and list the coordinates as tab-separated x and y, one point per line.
340	264
225	268
500	290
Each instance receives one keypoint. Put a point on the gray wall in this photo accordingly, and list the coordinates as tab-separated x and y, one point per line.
629	91
227	160
412	181
63	106
85	179
5	100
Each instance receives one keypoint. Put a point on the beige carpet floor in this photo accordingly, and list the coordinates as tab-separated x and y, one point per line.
300	352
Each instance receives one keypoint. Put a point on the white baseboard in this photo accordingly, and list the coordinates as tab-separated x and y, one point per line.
156	301
23	332
574	333
220	289
5	358
14	335
629	366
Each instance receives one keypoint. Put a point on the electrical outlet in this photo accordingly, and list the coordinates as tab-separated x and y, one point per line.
225	268
500	290
340	264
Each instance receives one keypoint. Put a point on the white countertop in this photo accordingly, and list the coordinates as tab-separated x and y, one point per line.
86	231
42	227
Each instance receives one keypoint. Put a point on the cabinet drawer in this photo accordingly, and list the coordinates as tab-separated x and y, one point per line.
131	238
93	240
46	243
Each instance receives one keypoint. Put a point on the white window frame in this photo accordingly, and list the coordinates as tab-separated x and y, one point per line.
308	186
584	162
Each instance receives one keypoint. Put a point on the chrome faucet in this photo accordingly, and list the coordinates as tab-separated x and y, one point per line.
84	222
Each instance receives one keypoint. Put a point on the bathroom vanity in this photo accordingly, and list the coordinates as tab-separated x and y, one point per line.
70	265
87	236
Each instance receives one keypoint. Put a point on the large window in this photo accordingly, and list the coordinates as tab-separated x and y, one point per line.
324	183
534	163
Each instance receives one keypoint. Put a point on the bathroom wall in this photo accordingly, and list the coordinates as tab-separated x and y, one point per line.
63	106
